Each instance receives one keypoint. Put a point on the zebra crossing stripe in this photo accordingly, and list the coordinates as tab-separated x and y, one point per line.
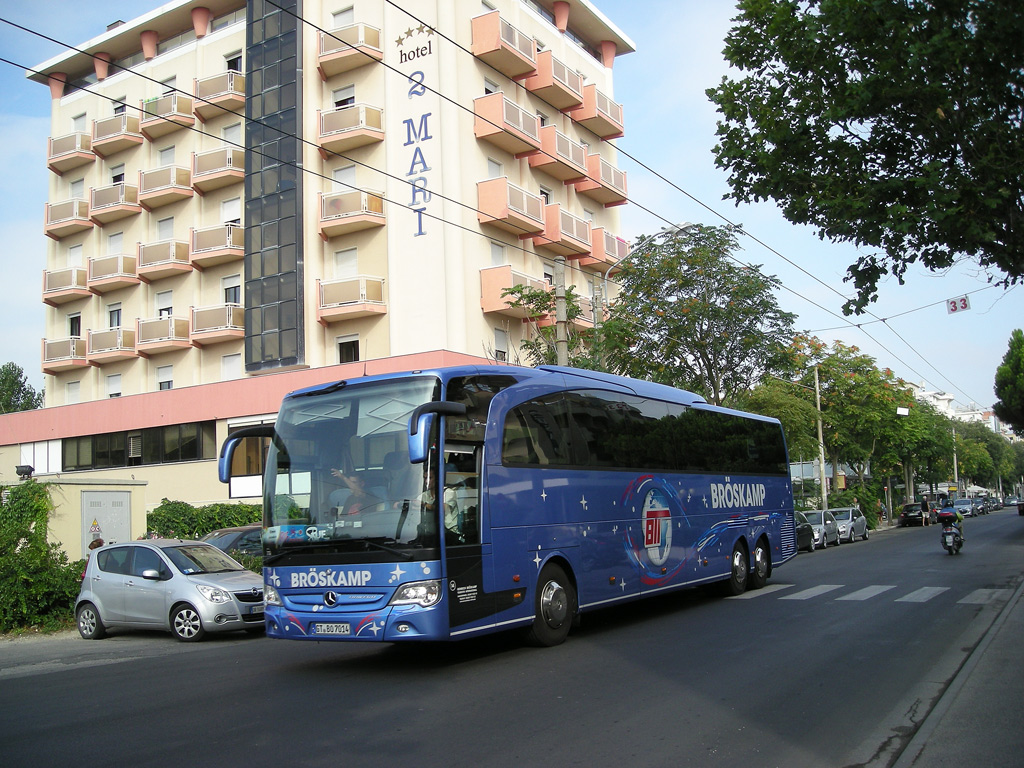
807	594
766	590
867	593
983	596
922	595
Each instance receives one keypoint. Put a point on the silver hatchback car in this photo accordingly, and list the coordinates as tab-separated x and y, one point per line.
187	587
852	523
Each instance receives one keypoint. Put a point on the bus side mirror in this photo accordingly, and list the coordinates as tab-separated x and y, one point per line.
227	451
422	421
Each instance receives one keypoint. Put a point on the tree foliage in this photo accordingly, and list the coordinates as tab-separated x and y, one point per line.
894	125
1009	384
539	344
16	394
689	316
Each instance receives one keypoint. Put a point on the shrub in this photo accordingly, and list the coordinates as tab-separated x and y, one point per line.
178	519
38	584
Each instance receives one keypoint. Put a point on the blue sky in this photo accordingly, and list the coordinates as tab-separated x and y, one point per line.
670	127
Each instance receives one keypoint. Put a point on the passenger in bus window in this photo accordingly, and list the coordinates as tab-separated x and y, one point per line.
359	499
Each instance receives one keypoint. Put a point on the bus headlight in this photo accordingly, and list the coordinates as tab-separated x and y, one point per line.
270	596
422	593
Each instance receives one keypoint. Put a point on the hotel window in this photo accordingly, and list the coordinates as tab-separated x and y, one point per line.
346	264
344	18
114	385
164	303
75	256
344	97
495	170
117	173
77	189
348	349
233	62
169	86
232	287
490	87
232	134
72	392
343	179
231	211
114	315
78	124
497	254
230	367
545	195
165	377
75	324
500	345
119	105
165	156
165	229
114	242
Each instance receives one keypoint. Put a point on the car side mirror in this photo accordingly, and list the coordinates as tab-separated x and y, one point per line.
152	574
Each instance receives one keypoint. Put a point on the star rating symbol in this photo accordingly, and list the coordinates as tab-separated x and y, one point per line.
399	40
408	33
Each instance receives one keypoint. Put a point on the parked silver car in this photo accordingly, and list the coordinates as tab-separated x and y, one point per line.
187	587
852	523
826	529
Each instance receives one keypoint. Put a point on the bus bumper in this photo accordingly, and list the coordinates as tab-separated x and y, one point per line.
390	624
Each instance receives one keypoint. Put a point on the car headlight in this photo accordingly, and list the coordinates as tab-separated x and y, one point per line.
213	594
271	596
422	593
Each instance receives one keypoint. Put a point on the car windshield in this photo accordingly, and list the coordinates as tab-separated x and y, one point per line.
192	559
962	503
220	538
841	514
814	518
911	507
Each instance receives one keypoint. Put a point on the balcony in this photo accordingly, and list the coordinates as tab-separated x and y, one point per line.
560	157
554	82
63	285
165	258
350	127
66	218
604	183
585	319
61	355
217	324
115	134
217	168
607	251
494	281
217	245
599	113
164	186
118	201
564	234
504	47
166	114
112	345
111	273
162	334
508	207
344	212
502	122
348	48
219	95
346	299
68	152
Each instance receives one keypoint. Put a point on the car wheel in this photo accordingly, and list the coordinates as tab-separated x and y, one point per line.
866	532
89	624
554	608
852	536
186	624
762	565
736	584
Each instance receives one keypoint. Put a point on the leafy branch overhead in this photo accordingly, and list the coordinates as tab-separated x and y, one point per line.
894	125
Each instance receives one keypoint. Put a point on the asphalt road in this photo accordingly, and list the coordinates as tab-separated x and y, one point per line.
836	662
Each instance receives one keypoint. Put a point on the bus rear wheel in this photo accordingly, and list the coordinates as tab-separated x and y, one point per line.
554	608
762	565
736	584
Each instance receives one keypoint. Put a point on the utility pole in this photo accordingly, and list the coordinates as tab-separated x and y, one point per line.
821	442
561	334
956	470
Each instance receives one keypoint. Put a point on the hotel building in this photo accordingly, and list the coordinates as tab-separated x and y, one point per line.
250	197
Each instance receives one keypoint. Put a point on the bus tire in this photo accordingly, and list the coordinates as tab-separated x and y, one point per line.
762	565
739	569
554	608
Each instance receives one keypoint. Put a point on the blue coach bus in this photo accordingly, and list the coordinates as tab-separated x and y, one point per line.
443	504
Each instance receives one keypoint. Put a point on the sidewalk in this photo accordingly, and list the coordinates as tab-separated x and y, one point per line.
978	720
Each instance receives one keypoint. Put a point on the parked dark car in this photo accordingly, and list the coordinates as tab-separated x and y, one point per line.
912	514
245	539
804	533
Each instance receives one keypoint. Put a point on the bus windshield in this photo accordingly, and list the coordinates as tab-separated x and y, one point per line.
339	478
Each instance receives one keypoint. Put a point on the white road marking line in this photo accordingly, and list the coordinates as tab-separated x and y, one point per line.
922	595
983	596
766	590
868	592
807	594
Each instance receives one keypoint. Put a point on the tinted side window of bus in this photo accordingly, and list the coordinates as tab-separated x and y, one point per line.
537	432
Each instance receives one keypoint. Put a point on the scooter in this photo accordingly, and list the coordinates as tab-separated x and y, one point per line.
952	540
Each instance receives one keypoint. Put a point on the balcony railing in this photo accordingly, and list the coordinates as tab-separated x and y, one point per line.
554	82
67	152
494	281
344	212
509	207
564	233
504	47
114	202
63	285
219	94
360	296
217	324
114	134
599	113
112	345
218	168
607	250
163	186
349	127
560	157
348	48
502	122
162	334
166	114
110	273
64	354
217	245
66	218
164	258
604	183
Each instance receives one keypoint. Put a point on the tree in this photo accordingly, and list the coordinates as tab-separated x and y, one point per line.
894	125
1009	385
539	343
16	394
688	316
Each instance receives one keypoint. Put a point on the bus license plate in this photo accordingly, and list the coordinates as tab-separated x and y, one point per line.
332	629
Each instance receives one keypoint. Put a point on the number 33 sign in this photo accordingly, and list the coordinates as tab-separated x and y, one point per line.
959	304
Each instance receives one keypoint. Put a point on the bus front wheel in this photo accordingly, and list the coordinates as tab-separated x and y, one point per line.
739	570
554	608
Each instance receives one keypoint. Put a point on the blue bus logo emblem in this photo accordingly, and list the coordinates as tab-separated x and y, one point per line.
657	528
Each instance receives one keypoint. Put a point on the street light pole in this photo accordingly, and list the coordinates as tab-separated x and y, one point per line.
821	442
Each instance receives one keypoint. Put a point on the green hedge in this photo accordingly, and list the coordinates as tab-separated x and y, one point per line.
178	519
38	584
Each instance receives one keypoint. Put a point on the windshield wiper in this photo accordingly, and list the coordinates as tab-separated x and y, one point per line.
392	550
